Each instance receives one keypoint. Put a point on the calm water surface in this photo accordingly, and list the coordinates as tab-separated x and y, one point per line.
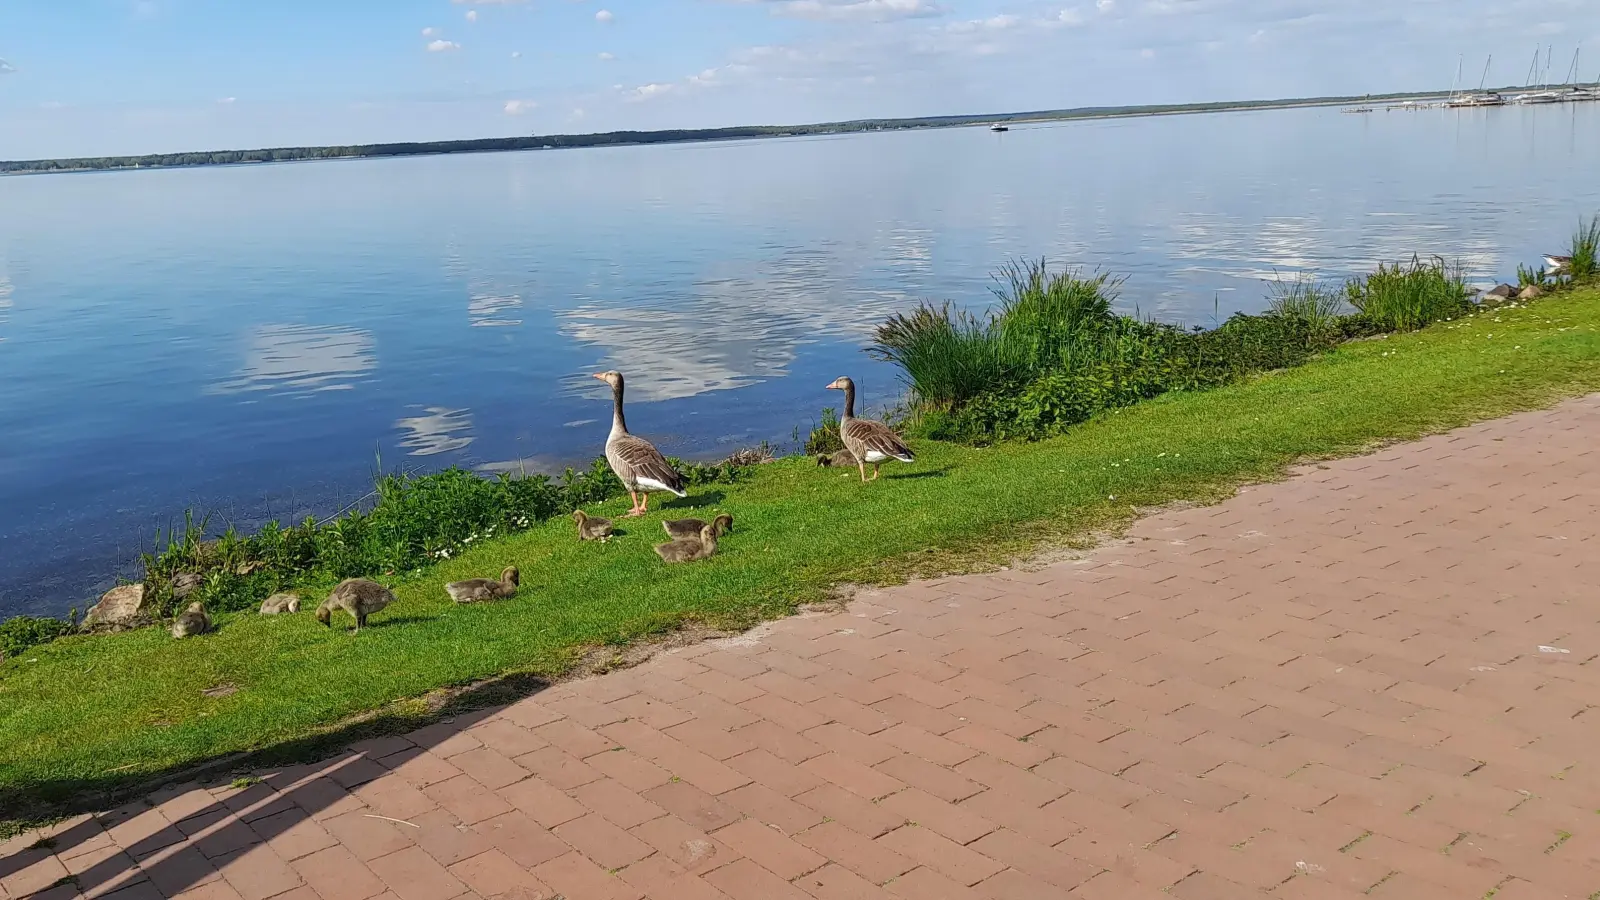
251	341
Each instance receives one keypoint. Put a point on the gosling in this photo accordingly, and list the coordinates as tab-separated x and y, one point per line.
278	604
475	590
689	529
191	621
843	459
591	528
690	549
357	596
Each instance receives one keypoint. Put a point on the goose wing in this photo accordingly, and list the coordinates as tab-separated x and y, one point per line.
640	464
865	436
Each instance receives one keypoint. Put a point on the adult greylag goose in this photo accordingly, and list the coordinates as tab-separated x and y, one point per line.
1558	264
475	590
356	596
689	529
191	621
868	440
690	549
591	528
636	461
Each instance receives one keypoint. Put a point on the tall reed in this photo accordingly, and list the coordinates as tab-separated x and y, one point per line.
1409	296
1585	250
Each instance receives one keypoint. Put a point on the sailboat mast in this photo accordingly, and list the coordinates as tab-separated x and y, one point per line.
1484	80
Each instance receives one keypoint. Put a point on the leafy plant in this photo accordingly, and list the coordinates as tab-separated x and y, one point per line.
1527	277
824	437
21	632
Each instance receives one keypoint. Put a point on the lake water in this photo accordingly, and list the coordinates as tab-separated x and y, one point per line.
251	341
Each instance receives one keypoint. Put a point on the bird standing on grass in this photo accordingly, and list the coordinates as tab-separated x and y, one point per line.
868	440
636	461
357	596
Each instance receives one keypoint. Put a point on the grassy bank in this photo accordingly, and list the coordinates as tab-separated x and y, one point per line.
87	714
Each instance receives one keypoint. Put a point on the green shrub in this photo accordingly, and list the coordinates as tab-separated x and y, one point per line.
413	522
1584	249
1527	277
824	437
1409	296
19	633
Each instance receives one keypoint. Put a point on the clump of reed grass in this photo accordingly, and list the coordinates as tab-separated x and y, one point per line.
950	357
1409	296
1303	298
1527	277
947	356
1585	250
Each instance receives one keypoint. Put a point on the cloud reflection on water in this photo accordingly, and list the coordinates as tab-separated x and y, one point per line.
736	329
437	430
303	359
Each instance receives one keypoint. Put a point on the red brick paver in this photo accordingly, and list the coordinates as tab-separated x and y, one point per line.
1376	678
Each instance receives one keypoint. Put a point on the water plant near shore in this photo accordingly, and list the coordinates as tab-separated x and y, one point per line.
1409	296
1585	250
415	521
1054	353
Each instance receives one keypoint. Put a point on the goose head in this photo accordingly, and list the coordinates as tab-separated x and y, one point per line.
612	377
842	383
511	576
723	523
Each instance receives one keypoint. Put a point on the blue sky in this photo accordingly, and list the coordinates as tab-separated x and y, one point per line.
100	77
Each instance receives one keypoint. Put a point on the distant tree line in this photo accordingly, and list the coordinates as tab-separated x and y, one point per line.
615	138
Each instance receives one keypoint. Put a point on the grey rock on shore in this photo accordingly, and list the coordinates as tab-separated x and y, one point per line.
124	606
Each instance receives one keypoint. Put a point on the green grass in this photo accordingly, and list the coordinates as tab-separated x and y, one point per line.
90	714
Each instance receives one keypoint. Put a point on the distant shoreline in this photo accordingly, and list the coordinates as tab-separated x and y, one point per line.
671	136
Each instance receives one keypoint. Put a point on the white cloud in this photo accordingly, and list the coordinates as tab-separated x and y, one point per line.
606	57
6	68
441	46
516	54
1105	6
518	107
577	114
472	15
993	23
227	101
1147	53
605	17
856	10
430	31
651	91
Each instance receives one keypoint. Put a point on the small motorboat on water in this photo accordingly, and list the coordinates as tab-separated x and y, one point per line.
998	127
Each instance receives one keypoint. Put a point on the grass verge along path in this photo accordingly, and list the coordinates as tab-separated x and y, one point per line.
85	715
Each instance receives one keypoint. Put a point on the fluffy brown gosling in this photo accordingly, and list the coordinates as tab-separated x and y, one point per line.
191	621
476	590
356	596
278	604
690	549
591	528
689	529
841	460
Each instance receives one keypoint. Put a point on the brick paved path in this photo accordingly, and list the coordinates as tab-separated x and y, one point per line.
1374	679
